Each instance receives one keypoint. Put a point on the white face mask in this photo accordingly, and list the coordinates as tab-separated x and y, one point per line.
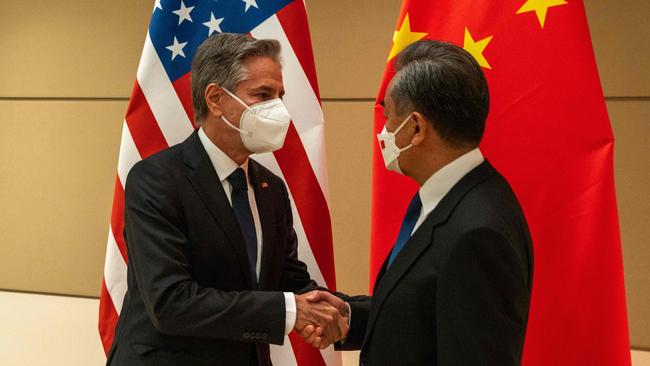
262	126
389	150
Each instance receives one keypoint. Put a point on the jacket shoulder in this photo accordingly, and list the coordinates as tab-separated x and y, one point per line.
492	203
157	163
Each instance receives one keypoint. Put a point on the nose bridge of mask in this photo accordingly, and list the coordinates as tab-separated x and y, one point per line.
273	110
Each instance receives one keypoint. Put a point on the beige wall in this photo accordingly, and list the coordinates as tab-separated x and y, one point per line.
63	93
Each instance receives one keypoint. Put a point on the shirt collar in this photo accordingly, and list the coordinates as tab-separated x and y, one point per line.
442	181
223	164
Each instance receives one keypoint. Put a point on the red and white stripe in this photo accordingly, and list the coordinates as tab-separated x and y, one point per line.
159	115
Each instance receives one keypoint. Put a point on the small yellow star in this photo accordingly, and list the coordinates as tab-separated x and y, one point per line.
476	48
540	7
404	37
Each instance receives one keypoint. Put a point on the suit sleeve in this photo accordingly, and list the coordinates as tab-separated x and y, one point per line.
482	302
295	277
359	314
160	261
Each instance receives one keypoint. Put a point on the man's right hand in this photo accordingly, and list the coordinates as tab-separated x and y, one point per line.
320	320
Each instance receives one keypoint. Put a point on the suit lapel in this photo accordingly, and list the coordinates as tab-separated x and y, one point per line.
423	237
389	277
263	199
208	186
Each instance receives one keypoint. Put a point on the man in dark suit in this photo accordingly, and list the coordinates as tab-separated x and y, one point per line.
455	289
212	251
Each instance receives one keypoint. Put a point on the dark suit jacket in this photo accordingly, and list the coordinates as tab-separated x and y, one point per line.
459	291
190	298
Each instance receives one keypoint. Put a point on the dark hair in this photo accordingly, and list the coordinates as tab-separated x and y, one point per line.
446	85
220	59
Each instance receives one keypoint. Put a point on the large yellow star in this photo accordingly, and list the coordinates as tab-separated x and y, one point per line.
540	7
404	37
476	48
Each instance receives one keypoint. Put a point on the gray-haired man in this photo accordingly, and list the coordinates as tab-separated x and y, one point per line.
456	286
212	251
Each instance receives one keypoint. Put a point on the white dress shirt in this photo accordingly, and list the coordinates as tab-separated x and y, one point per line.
442	181
224	166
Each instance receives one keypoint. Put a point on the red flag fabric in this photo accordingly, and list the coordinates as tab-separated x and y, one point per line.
549	134
160	115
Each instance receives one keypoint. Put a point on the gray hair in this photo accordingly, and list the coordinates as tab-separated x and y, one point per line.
220	59
446	85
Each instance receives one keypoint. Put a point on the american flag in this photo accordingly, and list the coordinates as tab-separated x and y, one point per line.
160	115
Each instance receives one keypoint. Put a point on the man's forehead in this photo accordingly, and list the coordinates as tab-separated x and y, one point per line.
262	64
264	70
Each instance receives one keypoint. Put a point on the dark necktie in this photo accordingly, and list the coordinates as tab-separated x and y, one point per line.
411	217
244	216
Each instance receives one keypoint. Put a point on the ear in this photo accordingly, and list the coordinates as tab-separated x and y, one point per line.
421	128
213	95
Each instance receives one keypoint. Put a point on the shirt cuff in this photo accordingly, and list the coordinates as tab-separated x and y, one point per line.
349	313
290	318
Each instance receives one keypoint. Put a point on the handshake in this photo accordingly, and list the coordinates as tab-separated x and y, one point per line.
321	318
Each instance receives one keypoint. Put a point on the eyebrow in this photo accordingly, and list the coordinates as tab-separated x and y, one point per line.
267	89
262	88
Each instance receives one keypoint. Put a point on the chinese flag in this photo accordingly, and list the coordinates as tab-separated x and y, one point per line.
549	134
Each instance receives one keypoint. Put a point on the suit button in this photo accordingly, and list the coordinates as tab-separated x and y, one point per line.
246	335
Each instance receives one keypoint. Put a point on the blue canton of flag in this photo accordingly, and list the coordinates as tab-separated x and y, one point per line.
178	27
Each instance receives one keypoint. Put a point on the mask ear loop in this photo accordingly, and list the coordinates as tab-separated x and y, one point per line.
247	133
399	128
239	100
402	125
